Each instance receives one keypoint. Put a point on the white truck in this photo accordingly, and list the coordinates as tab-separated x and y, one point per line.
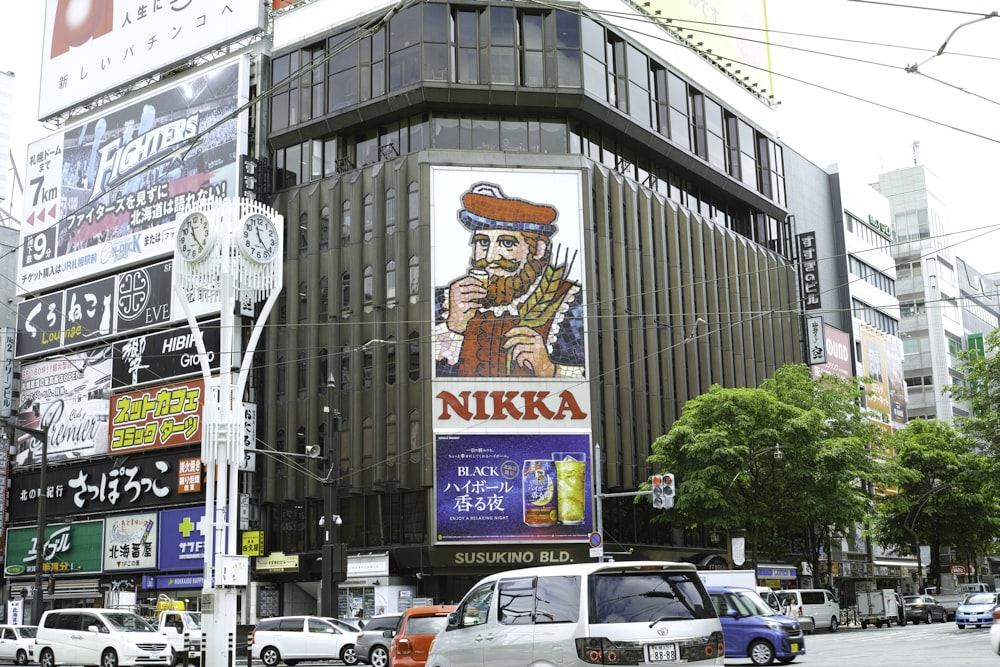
881	607
743	579
183	629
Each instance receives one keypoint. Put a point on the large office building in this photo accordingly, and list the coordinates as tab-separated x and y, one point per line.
635	200
518	239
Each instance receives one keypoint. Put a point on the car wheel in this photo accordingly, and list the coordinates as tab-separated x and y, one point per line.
378	657
834	623
761	652
864	624
47	658
109	658
270	656
348	655
929	618
22	657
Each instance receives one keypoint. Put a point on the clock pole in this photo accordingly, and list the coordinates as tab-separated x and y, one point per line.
222	277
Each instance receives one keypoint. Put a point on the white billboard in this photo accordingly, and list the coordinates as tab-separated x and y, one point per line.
93	47
102	195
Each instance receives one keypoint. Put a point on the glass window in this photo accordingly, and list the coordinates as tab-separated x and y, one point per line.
390	283
324	228
644	596
414	356
413	205
467	40
476	607
390	210
414	279
345	222
445	132
513	135
345	288
368	217
368	285
404	68
404	29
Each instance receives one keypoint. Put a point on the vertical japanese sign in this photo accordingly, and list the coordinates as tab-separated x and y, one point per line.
102	195
809	271
815	340
511	401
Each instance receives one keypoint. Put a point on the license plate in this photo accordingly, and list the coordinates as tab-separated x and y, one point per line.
662	652
795	648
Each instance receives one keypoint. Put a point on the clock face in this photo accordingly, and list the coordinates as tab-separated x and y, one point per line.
258	238
195	236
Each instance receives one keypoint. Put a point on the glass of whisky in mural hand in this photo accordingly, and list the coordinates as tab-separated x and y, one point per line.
517	312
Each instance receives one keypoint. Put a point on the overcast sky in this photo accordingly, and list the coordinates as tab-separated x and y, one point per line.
841	77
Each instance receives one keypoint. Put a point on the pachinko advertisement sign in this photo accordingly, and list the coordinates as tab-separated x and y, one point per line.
103	195
518	486
92	47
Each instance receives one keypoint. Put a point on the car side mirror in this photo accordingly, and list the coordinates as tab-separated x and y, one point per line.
452	619
732	613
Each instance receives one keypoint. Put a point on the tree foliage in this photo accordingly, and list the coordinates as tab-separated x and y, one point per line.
981	389
782	461
946	496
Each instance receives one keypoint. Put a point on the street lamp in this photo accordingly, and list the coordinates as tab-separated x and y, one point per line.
334	559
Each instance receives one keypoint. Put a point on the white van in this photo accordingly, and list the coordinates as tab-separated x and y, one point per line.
587	613
107	637
817	604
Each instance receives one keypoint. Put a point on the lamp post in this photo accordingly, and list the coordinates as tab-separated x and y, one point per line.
334	556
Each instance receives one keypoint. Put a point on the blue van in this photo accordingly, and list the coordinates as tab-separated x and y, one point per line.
753	630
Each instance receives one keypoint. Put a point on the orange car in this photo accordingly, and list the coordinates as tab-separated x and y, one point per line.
415	632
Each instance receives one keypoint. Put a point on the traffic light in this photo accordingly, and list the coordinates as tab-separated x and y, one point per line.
663	491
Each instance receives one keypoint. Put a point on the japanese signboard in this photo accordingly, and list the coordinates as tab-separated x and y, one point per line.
161	416
91	48
134	299
163	356
182	538
874	362
103	195
815	341
130	542
68	548
522	487
837	344
11	374
156	479
70	394
809	271
511	405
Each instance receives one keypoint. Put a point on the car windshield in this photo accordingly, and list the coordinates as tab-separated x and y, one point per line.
193	621
912	599
750	604
981	598
128	623
27	632
645	596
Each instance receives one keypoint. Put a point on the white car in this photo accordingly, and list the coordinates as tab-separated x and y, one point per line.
16	643
295	638
995	631
105	637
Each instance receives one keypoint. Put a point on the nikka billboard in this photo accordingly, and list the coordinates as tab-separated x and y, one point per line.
93	47
511	396
102	195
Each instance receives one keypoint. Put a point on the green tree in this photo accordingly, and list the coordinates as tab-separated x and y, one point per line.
782	461
946	495
981	389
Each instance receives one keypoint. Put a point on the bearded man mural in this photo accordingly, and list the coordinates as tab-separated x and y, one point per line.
516	313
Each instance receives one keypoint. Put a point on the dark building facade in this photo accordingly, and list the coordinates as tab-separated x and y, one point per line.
400	148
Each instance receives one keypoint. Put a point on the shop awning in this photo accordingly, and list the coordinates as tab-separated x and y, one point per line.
896	563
